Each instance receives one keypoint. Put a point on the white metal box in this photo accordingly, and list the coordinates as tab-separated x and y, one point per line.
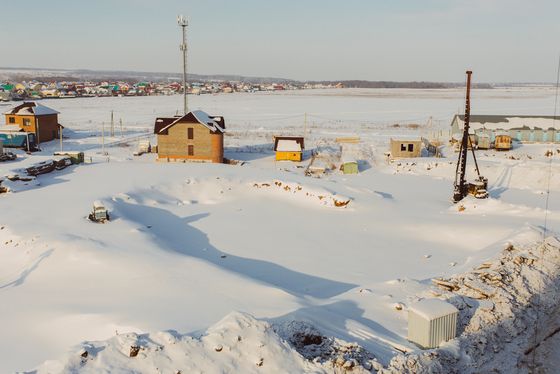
431	322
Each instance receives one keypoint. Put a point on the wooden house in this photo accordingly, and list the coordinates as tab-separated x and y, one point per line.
288	148
37	119
195	136
405	148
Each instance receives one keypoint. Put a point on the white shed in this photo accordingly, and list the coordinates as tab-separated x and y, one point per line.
432	322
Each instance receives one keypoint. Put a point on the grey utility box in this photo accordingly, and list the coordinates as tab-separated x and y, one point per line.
431	322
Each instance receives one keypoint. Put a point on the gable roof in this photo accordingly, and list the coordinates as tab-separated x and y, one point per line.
509	122
281	141
162	122
31	108
212	123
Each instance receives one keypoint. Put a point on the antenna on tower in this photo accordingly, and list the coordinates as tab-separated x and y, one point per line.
183	23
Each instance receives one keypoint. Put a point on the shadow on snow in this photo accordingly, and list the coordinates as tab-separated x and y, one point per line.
174	233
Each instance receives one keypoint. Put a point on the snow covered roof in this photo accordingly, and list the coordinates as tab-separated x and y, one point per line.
98	205
32	108
501	133
288	145
213	123
405	139
509	122
10	128
348	160
431	309
205	119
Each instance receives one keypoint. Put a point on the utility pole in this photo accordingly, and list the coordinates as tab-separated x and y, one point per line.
182	22
112	124
38	132
103	138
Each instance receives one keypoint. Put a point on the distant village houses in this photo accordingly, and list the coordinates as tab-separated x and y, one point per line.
195	136
39	89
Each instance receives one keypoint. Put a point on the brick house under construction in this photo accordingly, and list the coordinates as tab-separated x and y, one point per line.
195	136
35	118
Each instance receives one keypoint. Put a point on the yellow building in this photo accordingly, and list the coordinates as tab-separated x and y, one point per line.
502	142
288	148
406	148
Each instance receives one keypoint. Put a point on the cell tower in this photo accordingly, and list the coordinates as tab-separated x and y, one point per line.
183	23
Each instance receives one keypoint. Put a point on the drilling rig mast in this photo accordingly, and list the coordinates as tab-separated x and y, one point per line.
461	187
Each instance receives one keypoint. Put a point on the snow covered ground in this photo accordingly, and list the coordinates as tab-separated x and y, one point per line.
188	244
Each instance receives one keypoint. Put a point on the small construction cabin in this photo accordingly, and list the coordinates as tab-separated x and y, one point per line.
196	136
406	148
13	137
525	129
483	141
33	118
289	148
473	140
502	142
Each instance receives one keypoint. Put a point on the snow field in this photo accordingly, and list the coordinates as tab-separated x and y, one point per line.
190	243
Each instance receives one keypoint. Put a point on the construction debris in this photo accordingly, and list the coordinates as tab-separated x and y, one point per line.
497	303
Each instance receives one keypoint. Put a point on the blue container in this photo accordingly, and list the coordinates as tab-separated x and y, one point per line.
18	140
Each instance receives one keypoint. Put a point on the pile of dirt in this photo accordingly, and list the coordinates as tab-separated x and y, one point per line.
499	303
335	354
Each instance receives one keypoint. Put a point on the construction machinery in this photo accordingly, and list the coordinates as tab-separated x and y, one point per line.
99	213
461	188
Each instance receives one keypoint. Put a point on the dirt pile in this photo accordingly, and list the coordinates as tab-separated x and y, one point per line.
499	303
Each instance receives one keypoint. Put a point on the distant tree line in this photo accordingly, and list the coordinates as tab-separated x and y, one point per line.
390	84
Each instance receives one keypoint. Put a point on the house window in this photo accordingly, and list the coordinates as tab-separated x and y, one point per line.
26	122
403	147
190	133
191	150
12	119
411	147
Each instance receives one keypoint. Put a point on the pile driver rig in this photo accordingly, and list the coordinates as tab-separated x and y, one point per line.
461	188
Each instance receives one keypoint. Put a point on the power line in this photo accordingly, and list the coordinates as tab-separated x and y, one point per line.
545	228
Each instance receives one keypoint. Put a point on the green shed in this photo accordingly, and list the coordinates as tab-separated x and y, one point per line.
349	167
75	156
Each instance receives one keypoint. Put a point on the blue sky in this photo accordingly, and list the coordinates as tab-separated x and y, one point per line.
434	40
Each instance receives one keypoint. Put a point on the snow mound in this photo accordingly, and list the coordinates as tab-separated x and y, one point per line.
239	343
317	195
